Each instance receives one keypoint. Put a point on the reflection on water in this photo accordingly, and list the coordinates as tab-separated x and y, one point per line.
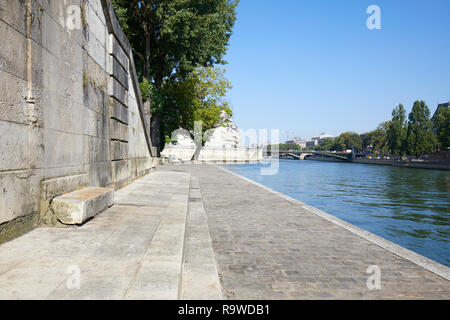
407	206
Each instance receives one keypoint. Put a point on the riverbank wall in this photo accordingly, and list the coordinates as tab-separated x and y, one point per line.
210	154
437	165
71	114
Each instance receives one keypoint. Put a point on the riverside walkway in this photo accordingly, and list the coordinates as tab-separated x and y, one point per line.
199	232
152	244
270	247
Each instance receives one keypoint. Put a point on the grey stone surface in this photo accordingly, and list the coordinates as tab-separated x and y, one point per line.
117	52
79	206
118	91
57	186
55	115
118	111
120	74
200	280
13	59
118	130
267	247
19	194
132	250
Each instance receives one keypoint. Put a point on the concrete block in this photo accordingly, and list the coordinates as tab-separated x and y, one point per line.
117	52
100	174
118	111
95	26
59	10
118	150
96	74
118	130
13	92
14	148
58	40
19	194
13	58
58	186
60	78
77	207
97	8
62	114
120	172
119	73
98	149
118	91
98	52
14	13
62	149
53	35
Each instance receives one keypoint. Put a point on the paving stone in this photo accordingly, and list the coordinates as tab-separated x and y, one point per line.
126	252
267	247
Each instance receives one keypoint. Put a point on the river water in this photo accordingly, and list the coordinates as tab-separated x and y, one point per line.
410	207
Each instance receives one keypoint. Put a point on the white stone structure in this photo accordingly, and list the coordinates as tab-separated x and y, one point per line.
223	145
227	136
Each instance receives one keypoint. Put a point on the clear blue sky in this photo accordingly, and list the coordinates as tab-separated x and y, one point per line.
312	66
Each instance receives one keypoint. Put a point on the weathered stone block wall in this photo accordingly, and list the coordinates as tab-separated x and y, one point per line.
70	107
211	154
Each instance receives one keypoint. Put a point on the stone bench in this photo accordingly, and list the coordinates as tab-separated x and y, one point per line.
78	206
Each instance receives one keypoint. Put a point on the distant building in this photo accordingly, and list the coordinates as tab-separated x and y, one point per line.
442	105
297	140
315	141
311	143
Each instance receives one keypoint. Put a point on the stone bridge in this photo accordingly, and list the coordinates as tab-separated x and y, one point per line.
301	155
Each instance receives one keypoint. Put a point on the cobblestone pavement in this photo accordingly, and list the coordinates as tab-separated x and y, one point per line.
269	248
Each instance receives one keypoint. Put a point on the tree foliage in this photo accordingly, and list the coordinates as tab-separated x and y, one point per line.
420	138
377	139
171	38
347	140
326	145
196	104
441	123
396	134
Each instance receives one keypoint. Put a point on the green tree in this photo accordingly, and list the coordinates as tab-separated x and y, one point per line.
377	139
196	105
173	37
326	145
420	138
347	140
441	122
396	134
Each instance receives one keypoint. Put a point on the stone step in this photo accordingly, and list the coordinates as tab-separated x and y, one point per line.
77	207
159	275
200	280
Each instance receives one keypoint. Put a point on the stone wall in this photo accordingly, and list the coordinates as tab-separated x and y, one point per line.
211	154
71	113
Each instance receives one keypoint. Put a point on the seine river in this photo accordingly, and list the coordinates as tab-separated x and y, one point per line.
410	207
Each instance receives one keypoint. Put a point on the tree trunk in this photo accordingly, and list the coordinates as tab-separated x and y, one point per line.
196	154
155	126
147	58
